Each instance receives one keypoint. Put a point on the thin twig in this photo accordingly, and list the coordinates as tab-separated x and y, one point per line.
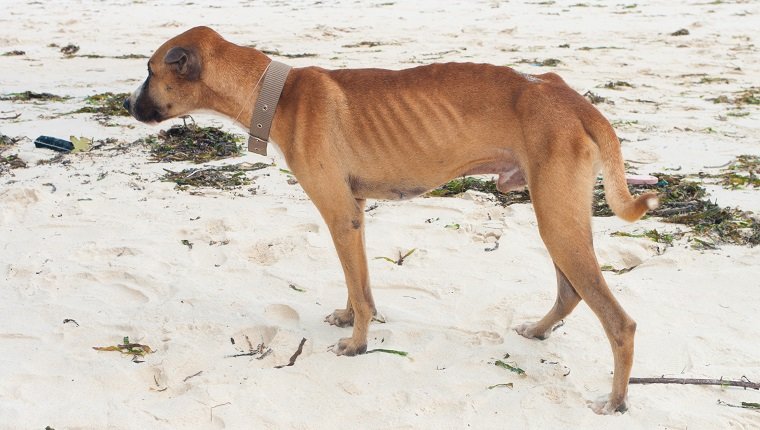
212	409
743	382
11	117
295	356
192	376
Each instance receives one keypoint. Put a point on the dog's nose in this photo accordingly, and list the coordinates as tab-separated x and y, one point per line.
126	104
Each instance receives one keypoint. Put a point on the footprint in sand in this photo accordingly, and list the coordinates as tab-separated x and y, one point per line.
282	313
15	202
271	251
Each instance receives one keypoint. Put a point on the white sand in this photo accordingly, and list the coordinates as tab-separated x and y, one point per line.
106	251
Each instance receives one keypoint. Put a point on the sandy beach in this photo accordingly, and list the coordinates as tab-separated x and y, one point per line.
223	284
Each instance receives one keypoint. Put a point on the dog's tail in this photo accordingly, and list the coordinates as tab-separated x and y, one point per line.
615	188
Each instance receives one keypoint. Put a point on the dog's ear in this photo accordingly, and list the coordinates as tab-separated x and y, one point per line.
185	62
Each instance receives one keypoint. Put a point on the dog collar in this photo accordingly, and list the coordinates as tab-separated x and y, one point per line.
266	104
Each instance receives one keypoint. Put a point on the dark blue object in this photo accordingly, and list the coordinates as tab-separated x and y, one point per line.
53	143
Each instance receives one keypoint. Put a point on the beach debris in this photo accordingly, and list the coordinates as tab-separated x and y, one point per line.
401	258
11	162
744	382
13	53
192	376
555	363
222	177
610	268
742	172
211	411
681	32
27	96
548	62
69	50
295	288
512	367
369	44
53	143
507	385
259	352
460	185
681	202
743	405
81	144
389	351
295	355
749	96
614	85
127	348
277	53
187	243
666	238
634	179
105	106
493	248
69	320
190	142
595	99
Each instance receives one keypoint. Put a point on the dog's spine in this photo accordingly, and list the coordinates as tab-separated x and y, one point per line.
615	187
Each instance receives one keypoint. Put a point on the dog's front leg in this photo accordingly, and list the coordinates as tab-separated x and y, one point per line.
344	216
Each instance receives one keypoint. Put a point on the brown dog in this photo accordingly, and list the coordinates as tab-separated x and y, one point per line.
350	135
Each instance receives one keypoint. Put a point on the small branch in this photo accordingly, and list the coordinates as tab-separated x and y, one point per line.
11	117
743	383
212	409
295	356
192	376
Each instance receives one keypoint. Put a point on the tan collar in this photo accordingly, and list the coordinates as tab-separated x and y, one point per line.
266	105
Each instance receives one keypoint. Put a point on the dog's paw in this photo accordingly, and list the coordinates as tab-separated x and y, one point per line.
531	332
348	346
341	318
606	406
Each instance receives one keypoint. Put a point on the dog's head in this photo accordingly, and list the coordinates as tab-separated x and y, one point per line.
174	85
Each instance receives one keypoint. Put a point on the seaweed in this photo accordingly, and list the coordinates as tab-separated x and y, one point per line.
69	50
222	177
13	53
105	105
595	99
460	185
193	143
741	173
684	202
277	53
749	96
614	85
681	202
28	96
549	62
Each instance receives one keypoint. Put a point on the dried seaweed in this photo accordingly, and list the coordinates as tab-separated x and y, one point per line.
749	96
742	172
222	177
460	185
31	96
681	202
193	143
684	202
13	53
105	105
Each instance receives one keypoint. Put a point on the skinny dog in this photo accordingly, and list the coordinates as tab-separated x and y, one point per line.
355	134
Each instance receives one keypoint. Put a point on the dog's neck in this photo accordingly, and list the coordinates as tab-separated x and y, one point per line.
237	87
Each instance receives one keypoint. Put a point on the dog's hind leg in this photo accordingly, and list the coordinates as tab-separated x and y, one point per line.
561	189
567	299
